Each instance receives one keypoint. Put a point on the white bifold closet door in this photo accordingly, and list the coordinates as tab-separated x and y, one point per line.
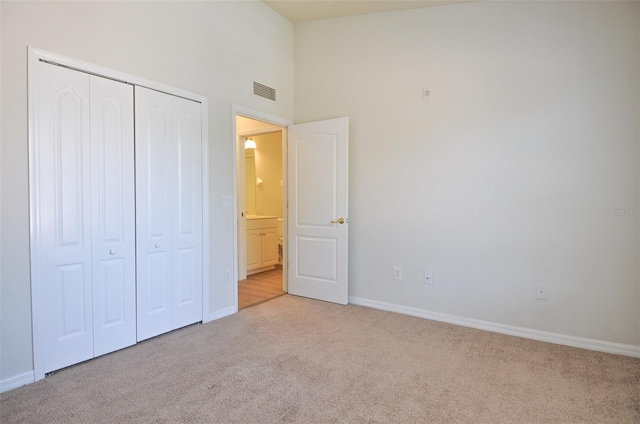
169	212
82	194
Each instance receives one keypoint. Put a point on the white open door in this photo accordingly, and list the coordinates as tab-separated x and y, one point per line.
319	210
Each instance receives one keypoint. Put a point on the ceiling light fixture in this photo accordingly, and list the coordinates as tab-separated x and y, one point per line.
249	143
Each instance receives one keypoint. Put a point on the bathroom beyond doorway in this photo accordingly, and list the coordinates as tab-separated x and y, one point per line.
261	193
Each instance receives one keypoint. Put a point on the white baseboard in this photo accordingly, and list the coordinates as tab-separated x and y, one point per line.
221	313
584	343
17	381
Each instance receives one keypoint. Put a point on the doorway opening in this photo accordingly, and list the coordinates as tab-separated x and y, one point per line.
261	198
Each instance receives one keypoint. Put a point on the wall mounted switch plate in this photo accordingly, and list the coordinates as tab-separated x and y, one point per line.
397	273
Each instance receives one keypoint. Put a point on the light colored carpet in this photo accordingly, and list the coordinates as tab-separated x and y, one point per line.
304	361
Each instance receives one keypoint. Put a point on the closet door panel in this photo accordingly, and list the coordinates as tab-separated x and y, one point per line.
113	211
62	291
155	181
187	227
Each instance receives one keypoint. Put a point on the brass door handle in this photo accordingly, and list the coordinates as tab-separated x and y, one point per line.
338	221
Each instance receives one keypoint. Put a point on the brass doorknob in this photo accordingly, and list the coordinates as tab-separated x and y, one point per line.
338	221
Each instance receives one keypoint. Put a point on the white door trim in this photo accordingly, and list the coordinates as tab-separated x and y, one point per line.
242	258
282	124
35	55
241	205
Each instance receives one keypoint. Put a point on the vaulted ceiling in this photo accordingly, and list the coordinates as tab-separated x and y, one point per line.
310	10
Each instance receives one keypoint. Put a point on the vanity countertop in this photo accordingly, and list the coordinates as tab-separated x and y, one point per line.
260	217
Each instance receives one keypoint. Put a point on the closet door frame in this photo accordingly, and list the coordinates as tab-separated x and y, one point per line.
34	56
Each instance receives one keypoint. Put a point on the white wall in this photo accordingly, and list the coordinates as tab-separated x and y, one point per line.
503	179
211	48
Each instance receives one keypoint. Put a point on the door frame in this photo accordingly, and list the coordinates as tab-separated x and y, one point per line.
281	123
34	55
240	175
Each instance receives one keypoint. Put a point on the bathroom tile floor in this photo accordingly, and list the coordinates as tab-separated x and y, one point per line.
259	288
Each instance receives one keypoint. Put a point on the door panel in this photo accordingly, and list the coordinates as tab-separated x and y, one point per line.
187	226
70	175
155	146
71	299
318	195
188	175
113	215
154	207
157	294
317	258
61	280
317	203
169	212
109	306
185	259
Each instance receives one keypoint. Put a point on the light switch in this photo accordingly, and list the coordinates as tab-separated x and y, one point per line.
225	201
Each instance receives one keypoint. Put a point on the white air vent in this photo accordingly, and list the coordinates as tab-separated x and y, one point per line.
262	90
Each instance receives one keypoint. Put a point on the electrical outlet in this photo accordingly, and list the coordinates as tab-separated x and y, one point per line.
397	273
227	275
541	292
428	277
